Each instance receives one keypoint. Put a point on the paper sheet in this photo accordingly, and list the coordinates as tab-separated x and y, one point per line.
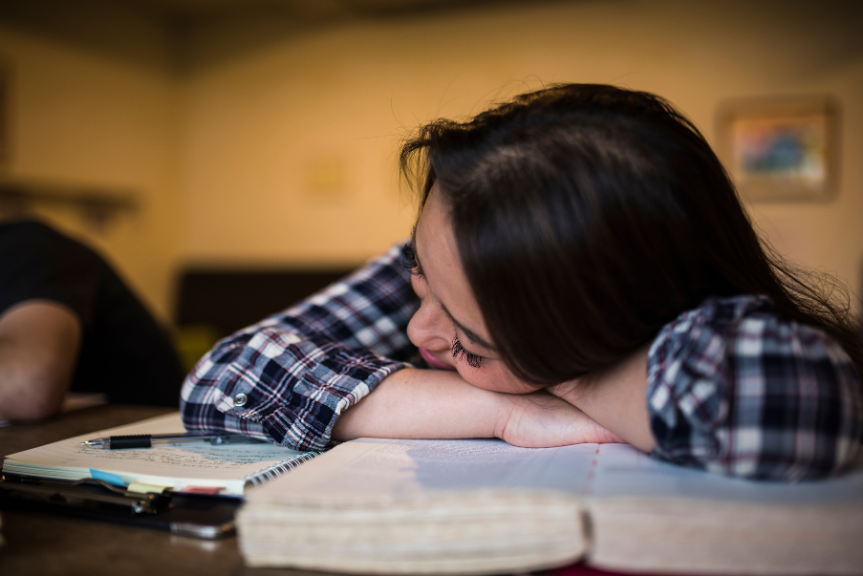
394	468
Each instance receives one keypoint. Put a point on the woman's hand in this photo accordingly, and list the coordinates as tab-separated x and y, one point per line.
616	398
541	420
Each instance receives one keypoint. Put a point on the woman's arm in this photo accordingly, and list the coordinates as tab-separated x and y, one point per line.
289	377
438	404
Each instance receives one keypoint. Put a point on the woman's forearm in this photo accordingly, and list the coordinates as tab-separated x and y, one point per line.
440	404
414	403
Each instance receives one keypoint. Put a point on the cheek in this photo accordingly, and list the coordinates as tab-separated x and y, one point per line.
494	377
428	328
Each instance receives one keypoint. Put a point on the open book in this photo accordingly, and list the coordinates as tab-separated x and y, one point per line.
483	506
192	467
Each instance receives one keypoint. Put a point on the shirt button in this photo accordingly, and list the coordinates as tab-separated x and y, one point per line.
240	400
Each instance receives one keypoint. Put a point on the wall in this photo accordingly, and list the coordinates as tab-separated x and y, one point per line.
289	153
285	156
79	118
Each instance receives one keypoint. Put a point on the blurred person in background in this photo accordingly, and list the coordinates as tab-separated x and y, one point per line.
69	323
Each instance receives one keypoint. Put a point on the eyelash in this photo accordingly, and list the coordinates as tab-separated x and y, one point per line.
412	263
458	351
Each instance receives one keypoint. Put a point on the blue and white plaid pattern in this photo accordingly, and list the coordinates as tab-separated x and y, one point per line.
299	369
732	388
735	389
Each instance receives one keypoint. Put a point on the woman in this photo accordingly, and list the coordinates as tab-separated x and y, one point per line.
581	271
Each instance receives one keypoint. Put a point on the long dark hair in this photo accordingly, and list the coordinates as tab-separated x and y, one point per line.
588	216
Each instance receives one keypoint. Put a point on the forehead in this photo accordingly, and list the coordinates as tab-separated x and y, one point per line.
436	245
437	252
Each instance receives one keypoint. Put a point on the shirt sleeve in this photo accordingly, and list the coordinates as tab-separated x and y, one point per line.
735	389
289	377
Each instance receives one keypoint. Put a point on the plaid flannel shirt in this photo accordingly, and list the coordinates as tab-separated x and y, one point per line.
731	387
288	377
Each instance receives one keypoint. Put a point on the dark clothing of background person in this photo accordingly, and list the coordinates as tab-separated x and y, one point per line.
124	353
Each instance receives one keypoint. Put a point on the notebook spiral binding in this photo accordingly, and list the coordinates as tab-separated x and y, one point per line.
277	470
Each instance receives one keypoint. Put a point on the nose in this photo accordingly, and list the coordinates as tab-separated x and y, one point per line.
429	328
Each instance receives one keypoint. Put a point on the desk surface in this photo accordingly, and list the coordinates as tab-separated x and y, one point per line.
47	545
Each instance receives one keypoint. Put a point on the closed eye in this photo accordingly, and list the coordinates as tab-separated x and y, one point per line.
411	261
458	352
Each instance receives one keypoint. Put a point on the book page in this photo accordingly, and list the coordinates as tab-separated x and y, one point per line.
383	467
422	507
621	470
650	516
165	465
404	467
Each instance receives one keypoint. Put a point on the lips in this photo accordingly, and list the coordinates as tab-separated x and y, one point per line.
434	362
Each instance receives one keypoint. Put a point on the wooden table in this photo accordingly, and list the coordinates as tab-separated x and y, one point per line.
46	545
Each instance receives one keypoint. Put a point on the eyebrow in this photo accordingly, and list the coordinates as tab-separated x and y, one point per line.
471	335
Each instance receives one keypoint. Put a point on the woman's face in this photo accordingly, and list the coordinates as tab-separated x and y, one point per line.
448	328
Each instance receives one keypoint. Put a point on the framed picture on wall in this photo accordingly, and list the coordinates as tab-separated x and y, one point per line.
781	149
5	112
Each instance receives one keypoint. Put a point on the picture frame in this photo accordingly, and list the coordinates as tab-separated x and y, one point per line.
5	112
781	149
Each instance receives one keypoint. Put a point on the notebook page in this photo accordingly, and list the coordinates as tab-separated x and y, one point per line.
176	466
621	470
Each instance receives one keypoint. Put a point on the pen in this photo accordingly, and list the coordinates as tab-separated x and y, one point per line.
148	440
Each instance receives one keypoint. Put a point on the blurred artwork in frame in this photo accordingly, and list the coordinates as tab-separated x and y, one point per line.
781	149
5	112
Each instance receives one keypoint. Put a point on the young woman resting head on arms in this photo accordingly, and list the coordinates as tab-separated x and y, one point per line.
581	271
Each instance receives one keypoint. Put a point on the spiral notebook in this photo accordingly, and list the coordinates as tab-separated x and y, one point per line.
198	468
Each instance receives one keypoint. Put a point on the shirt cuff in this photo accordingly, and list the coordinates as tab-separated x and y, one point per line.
293	388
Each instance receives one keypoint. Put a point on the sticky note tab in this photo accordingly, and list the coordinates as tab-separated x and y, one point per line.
141	488
114	479
212	490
